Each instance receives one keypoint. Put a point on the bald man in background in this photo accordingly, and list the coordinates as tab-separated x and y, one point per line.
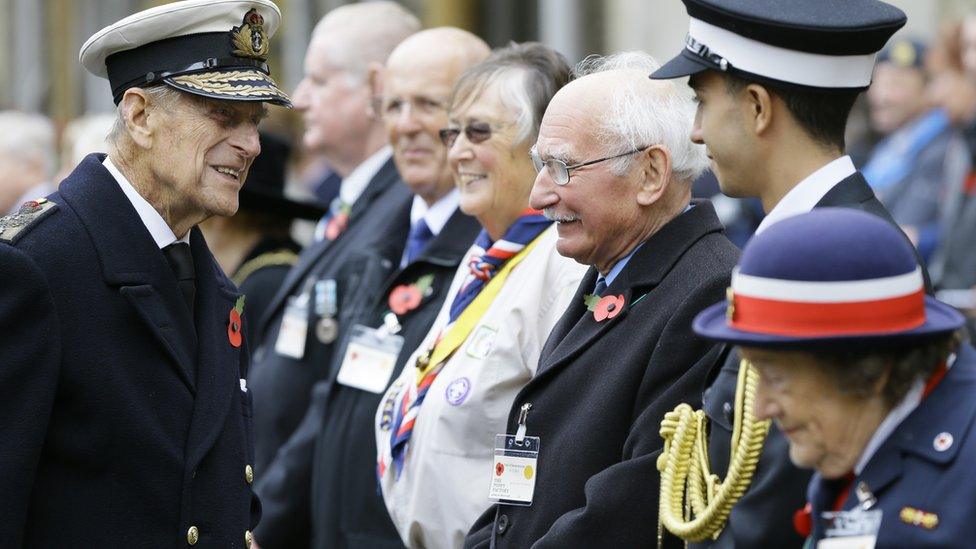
344	60
323	480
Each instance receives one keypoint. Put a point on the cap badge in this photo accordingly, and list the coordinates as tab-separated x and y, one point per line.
249	38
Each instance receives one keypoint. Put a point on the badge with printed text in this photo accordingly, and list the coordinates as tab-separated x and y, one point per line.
294	328
514	470
369	359
854	529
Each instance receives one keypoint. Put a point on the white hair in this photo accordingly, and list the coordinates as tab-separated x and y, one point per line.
369	32
160	94
644	112
30	138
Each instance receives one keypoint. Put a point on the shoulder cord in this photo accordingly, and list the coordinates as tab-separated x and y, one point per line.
280	257
685	460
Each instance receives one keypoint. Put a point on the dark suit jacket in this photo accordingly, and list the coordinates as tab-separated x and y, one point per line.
282	385
908	470
264	269
324	477
764	515
602	389
122	426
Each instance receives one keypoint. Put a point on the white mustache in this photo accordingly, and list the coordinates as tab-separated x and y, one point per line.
551	215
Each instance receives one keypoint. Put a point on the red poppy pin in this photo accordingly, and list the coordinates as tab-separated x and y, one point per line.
604	307
407	297
234	325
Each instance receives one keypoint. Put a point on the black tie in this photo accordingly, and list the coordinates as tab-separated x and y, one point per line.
181	261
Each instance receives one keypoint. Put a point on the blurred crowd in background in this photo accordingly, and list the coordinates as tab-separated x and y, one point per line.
913	134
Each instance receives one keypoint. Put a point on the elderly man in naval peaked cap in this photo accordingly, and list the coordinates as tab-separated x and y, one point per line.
125	418
775	82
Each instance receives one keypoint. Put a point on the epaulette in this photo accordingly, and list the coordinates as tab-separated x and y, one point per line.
16	225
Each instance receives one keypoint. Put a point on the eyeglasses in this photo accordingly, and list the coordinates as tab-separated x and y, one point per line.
559	171
476	132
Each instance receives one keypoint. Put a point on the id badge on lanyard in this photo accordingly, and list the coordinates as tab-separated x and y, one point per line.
515	466
854	529
294	325
371	356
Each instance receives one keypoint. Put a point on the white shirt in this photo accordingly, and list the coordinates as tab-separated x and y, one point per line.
805	195
435	216
355	183
155	224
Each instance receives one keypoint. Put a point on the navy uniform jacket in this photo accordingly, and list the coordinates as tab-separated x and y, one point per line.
325	475
121	425
911	470
602	389
764	515
282	385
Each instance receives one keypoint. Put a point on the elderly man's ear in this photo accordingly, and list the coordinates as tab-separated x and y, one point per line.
136	111
655	165
375	80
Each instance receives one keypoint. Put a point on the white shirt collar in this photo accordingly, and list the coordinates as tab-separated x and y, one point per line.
157	227
435	216
894	419
356	182
805	195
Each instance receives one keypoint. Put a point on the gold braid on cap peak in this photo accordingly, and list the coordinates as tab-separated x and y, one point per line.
688	488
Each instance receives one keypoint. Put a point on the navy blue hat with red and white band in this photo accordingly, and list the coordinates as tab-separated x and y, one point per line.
816	44
833	278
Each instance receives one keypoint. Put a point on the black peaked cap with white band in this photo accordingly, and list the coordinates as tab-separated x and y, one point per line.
211	48
813	44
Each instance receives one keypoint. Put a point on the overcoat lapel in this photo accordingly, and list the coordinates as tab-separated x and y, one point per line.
645	270
132	262
853	189
571	316
218	362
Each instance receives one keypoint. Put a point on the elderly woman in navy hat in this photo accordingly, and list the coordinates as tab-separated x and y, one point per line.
860	370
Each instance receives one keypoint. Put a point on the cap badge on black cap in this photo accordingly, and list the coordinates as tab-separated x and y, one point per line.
249	37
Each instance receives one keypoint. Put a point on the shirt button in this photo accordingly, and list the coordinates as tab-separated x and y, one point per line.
249	473
248	539
502	524
192	535
727	411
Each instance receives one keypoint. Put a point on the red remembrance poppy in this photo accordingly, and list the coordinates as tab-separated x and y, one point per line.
234	328
404	299
609	306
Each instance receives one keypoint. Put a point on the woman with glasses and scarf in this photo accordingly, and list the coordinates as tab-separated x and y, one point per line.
436	426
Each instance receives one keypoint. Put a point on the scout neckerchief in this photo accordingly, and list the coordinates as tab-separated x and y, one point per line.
491	256
516	244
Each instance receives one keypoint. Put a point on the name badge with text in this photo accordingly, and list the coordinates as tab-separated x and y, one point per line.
369	359
515	468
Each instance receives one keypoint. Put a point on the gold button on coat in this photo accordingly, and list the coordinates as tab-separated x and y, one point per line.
248	537
248	474
192	535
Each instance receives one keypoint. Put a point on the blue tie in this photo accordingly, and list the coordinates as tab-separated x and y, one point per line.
601	286
419	236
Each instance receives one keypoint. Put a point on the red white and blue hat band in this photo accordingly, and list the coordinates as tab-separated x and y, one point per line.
818	309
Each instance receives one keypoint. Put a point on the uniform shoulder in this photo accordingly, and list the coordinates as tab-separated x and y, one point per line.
14	226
